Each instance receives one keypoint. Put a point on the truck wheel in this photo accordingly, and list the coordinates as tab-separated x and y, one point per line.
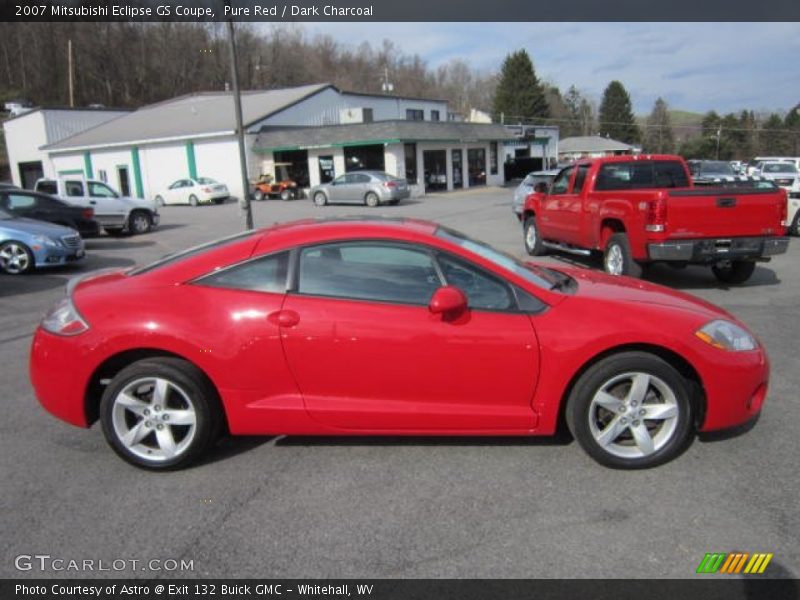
618	259
533	241
140	222
734	271
795	228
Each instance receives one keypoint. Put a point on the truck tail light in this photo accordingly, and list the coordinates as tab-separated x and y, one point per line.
783	210
88	213
656	215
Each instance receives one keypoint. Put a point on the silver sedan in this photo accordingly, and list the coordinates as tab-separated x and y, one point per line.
527	187
361	187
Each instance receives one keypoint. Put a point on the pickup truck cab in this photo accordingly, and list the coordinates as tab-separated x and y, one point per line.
642	209
116	214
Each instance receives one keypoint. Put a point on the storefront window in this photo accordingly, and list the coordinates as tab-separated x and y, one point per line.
476	164
493	157
411	162
360	158
326	171
458	169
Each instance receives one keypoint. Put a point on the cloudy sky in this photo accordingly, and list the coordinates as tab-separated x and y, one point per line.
693	66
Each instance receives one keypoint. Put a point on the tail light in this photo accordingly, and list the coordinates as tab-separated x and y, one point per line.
207	190
389	184
64	319
88	213
783	209
656	214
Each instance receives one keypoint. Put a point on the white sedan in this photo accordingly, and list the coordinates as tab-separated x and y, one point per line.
202	190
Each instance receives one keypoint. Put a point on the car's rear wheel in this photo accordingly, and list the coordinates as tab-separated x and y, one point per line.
630	411
16	258
320	199
371	199
140	222
618	258
533	241
160	413
733	271
193	201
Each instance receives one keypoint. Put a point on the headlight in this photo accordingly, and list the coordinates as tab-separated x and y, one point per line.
43	239
64	319
726	336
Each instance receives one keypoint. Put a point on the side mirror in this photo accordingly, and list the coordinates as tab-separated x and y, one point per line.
448	299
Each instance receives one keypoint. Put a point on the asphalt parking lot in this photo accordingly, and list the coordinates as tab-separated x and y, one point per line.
398	507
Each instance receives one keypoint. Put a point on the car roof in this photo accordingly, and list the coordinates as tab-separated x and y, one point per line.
362	222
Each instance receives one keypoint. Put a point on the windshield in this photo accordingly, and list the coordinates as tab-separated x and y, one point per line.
779	168
4	215
206	180
544	278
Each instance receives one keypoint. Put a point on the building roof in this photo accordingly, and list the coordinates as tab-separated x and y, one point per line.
391	96
591	143
271	139
192	115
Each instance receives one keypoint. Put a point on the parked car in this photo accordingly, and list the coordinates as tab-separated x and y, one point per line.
194	192
785	175
27	244
388	327
33	205
362	187
642	209
116	214
281	186
532	183
714	170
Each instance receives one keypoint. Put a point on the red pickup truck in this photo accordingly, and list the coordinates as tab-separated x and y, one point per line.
643	209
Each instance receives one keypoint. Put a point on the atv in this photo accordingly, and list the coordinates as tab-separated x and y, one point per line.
282	186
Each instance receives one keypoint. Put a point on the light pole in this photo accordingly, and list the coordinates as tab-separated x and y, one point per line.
244	203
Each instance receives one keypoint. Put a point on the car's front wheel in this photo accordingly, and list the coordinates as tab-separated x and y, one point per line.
630	411
140	222
16	258
160	413
533	241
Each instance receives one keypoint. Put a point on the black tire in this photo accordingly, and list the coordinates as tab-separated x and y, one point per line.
531	237
258	196
140	222
618	248
193	201
286	194
734	271
16	258
320	199
159	201
794	229
186	378
669	436
371	199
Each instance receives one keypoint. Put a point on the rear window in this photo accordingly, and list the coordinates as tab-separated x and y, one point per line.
170	259
47	187
641	174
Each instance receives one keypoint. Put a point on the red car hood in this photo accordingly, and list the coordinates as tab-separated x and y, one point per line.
600	286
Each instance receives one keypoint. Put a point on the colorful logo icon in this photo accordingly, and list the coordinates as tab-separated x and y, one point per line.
734	562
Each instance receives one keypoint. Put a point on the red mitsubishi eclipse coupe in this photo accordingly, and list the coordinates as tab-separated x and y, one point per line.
388	326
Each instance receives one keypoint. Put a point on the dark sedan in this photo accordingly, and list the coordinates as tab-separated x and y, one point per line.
42	207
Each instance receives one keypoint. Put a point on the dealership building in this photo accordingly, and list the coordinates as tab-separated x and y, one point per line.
315	132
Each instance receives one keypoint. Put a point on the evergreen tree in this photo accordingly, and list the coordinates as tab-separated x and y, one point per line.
658	138
616	115
792	124
774	137
519	95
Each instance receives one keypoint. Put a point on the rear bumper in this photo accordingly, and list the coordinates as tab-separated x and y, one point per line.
714	249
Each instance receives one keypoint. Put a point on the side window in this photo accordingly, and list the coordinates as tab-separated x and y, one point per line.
98	190
47	187
266	274
340	180
175	185
74	188
561	182
482	290
579	179
368	271
21	201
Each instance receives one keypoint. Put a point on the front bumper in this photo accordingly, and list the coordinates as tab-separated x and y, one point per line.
715	249
54	256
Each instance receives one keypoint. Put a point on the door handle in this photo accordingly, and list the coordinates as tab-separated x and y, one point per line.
92	201
284	318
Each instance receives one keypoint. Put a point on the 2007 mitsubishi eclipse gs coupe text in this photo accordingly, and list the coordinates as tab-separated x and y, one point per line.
369	326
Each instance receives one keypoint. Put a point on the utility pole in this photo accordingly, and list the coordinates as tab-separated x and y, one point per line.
719	134
244	203
71	74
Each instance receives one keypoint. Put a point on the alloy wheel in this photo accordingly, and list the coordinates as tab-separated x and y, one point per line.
14	259
614	260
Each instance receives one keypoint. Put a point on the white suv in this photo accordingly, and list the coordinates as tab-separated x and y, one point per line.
117	214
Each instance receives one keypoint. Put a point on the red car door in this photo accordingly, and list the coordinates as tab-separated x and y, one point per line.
554	215
367	354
